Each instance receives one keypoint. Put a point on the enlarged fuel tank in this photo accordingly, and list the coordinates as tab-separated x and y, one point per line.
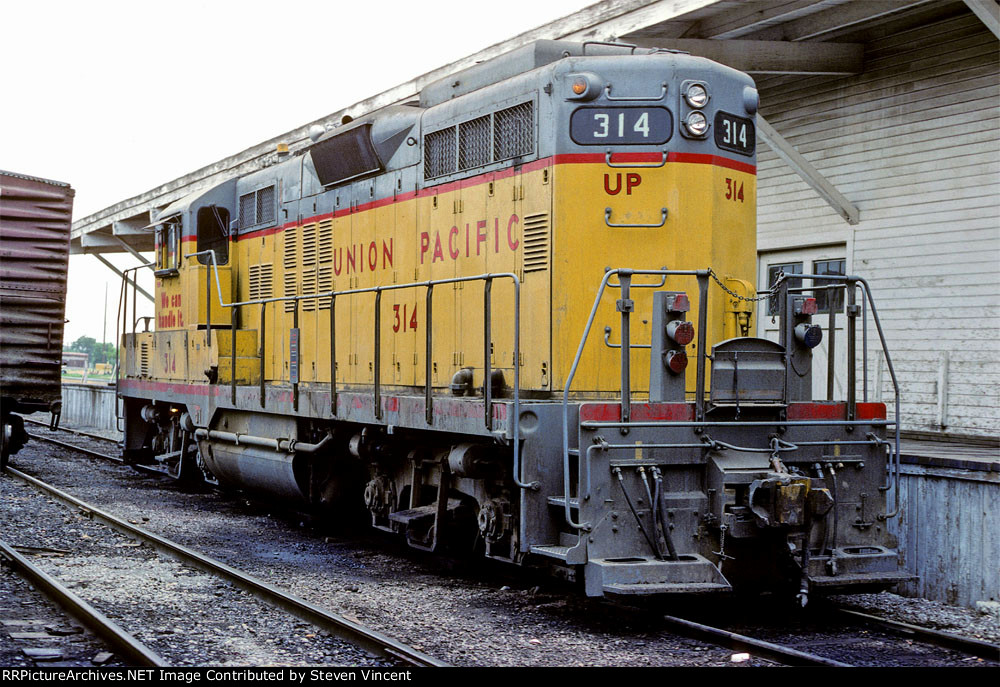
257	452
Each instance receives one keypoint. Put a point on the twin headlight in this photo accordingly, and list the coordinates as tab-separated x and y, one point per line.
696	97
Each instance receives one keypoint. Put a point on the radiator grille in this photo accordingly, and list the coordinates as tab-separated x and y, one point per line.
512	132
257	208
536	243
265	205
144	359
491	138
474	143
439	153
248	210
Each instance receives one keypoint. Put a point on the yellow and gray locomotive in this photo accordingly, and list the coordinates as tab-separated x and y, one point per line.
516	317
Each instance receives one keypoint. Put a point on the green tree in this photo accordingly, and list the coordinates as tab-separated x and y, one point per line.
85	344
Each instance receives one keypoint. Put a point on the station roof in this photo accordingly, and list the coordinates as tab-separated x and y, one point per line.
789	39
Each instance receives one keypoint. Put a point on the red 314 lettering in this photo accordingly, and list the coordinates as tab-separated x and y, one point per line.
734	192
401	323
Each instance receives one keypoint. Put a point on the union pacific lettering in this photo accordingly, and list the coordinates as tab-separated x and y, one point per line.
359	257
473	240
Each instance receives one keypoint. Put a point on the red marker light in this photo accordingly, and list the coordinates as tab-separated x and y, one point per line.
679	303
681	331
809	306
676	361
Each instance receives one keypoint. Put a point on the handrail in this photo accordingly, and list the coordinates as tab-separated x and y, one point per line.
628	273
848	281
429	284
854	279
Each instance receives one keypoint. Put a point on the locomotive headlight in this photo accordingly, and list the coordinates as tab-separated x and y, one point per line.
696	124
696	95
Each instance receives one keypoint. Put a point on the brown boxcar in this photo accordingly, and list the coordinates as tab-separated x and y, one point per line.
35	218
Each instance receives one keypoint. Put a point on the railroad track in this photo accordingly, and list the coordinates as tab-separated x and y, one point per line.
118	640
947	640
87	451
797	650
373	642
770	651
840	645
77	432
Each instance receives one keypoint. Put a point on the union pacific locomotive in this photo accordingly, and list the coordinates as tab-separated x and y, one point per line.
515	317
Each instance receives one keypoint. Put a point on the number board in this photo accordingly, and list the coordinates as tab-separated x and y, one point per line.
735	133
629	125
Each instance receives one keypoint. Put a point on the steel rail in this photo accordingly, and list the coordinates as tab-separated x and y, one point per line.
948	640
124	644
72	431
363	637
93	454
773	652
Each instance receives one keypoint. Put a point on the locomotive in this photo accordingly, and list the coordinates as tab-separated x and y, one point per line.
404	317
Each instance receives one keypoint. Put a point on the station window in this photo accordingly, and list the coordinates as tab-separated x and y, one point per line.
772	276
213	234
835	298
167	244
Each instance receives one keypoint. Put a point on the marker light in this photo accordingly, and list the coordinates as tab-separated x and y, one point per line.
678	303
804	306
680	331
584	86
696	95
676	361
696	124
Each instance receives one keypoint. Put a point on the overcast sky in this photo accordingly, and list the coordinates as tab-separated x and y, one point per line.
116	98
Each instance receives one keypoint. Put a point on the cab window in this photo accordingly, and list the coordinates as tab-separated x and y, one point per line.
213	234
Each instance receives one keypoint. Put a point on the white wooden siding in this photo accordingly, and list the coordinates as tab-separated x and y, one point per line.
914	142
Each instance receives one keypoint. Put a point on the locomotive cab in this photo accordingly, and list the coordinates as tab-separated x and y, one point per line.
192	332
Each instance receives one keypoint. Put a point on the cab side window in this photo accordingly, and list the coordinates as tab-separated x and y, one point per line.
213	234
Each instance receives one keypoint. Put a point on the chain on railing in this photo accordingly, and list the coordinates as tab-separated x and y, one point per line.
751	299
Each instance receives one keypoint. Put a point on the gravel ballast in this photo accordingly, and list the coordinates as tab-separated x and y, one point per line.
472	615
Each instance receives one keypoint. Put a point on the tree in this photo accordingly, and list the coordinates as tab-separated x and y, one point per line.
85	344
96	352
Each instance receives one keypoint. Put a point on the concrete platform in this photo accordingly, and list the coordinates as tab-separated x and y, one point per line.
961	455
